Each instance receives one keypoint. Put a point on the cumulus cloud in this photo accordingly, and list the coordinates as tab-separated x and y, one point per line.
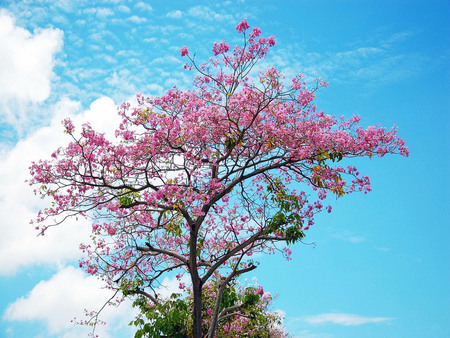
26	60
19	246
102	115
344	319
26	64
57	301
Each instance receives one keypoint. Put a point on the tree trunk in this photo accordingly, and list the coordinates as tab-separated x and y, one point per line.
196	285
197	289
212	328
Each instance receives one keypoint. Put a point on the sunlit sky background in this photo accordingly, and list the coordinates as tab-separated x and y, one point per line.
380	264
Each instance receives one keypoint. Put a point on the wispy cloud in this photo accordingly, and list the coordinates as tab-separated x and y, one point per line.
349	237
397	37
344	319
208	14
123	9
143	6
371	63
175	14
136	19
99	12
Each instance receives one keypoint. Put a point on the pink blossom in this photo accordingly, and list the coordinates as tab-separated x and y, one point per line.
111	230
184	51
220	48
242	26
260	291
92	269
68	124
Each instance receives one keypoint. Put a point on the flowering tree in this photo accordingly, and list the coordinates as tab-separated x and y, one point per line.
198	181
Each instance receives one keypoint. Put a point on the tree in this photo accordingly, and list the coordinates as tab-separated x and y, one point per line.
197	181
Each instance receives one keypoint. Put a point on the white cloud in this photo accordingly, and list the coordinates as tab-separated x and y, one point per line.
65	5
123	9
127	53
136	19
171	285
370	63
344	319
155	89
19	245
143	6
207	13
59	300
166	60
103	117
175	14
349	237
99	12
123	80
104	12
26	64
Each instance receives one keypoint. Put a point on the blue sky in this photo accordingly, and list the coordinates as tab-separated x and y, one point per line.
380	265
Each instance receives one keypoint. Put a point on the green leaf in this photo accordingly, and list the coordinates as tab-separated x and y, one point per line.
125	200
147	328
294	234
230	144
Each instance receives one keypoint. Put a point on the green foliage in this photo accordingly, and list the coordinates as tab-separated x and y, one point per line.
229	297
251	299
128	197
287	222
168	318
174	227
173	317
230	144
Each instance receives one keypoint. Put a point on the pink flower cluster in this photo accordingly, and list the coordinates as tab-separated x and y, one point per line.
184	51
242	26
220	48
